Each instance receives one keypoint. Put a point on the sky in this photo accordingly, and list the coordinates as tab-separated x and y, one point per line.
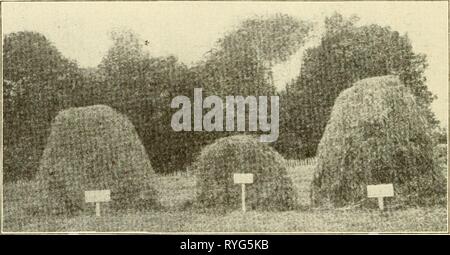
188	30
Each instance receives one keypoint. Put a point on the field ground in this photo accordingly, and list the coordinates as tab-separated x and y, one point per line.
175	215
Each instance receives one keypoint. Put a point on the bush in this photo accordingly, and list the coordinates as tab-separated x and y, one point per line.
272	188
377	134
94	148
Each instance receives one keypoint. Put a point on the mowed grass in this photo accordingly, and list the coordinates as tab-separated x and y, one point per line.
177	214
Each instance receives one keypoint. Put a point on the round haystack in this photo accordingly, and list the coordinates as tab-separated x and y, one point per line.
95	148
271	190
376	135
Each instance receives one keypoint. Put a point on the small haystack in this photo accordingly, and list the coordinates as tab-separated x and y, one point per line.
272	188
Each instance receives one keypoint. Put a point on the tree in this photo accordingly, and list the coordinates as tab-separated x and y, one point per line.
241	62
440	135
347	53
38	82
124	61
142	87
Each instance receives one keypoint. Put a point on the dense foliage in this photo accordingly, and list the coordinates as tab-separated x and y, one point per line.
346	53
38	82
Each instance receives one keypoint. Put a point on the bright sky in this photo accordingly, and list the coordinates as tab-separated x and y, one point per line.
189	29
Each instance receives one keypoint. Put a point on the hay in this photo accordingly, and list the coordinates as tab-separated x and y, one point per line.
376	134
272	188
95	148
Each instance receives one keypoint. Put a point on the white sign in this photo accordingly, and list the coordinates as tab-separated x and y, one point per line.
381	190
97	196
243	178
94	196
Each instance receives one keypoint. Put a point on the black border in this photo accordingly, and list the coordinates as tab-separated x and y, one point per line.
278	244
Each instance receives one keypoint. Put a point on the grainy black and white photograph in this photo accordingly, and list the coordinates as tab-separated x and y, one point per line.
225	117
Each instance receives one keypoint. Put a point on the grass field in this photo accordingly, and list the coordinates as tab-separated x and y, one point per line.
176	214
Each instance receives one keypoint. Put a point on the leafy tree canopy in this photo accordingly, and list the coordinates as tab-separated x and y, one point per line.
346	53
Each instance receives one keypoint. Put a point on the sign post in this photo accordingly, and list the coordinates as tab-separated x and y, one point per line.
97	196
243	196
380	191
243	179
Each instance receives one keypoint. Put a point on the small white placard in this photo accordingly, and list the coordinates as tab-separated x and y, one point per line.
243	178
94	196
381	190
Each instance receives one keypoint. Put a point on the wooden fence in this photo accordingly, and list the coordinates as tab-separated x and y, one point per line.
289	163
302	162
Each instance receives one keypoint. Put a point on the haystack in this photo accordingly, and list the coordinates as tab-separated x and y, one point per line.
272	188
376	134
95	148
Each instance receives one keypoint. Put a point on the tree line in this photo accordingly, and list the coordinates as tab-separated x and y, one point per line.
39	82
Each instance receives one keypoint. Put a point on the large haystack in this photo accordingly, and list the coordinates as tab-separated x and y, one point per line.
95	148
272	188
376	134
